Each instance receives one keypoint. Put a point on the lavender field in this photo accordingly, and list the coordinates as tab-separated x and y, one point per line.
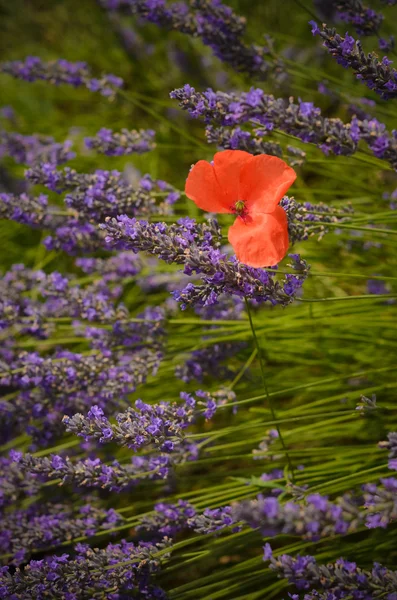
198	299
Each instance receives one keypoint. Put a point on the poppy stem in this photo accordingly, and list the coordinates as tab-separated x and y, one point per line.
269	399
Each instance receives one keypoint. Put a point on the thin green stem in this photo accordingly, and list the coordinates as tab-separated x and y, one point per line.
269	399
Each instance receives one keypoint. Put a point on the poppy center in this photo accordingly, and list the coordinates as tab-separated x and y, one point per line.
239	208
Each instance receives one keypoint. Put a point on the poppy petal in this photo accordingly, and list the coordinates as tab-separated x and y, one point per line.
203	188
264	181
228	165
261	240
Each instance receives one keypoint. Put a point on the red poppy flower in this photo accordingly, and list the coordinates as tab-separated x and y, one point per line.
250	187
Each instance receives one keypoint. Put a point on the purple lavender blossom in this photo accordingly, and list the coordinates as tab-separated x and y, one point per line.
104	193
255	107
197	248
32	211
39	526
118	144
208	361
299	215
48	389
158	425
123	568
62	71
213	22
215	520
239	139
14	483
87	473
391	446
315	519
167	519
381	502
377	75
264	446
365	20
335	580
31	149
171	519
114	269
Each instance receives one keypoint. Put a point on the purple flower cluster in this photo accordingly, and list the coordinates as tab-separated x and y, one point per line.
303	120
213	22
32	149
168	519
391	446
87	473
213	520
365	20
125	569
160	426
377	75
208	362
239	139
335	580
118	144
305	220
47	389
62	71
14	483
104	193
269	439
32	211
316	518
39	526
381	502
57	296
113	269
171	519
197	248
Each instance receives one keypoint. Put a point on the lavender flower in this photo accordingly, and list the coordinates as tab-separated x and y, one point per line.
317	518
365	20
302	120
104	193
31	149
210	20
391	446
238	139
197	248
39	526
62	71
168	519
69	233
14	482
171	519
377	75
334	580
159	425
75	235
208	361
122	568
61	298
27	210
381	502
113	269
269	439
125	142
51	388
215	520
87	473
387	45
299	215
